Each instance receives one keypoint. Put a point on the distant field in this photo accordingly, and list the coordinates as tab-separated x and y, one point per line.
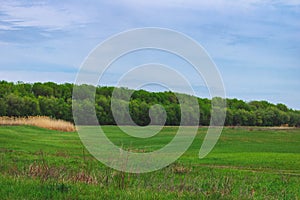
246	163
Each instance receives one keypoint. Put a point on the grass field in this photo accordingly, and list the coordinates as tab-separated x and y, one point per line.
246	163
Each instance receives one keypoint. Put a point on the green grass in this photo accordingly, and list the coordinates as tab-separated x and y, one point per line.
245	164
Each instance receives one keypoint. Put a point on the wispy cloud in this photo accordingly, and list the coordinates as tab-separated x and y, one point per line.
216	4
17	15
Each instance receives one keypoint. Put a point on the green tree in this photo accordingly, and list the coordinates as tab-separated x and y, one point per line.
31	107
40	89
15	105
3	107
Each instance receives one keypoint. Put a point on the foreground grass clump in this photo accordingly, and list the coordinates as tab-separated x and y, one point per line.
245	164
39	121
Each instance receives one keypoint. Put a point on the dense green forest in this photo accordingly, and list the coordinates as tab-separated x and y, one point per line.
55	100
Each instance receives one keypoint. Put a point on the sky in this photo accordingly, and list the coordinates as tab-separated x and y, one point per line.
255	44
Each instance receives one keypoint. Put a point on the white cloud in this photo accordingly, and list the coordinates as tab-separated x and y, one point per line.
32	76
219	5
7	27
17	15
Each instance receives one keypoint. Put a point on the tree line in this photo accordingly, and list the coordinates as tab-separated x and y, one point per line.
55	100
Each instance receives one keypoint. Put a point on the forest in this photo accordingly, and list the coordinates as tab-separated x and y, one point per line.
55	100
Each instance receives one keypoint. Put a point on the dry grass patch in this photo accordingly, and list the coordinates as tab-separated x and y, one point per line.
39	121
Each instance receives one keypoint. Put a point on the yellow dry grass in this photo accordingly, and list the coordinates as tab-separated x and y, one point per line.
39	121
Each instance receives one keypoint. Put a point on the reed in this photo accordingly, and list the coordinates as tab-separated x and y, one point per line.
39	121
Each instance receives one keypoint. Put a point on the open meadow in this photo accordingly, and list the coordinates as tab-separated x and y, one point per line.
246	163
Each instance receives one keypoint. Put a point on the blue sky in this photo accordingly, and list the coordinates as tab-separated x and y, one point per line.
255	44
